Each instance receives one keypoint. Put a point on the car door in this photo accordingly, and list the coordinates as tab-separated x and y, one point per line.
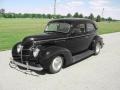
76	42
90	33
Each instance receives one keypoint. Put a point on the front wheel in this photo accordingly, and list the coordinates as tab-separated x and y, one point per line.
55	65
97	48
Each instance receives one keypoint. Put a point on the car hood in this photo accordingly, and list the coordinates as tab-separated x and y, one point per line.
44	36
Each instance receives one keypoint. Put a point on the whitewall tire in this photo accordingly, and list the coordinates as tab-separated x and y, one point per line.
56	64
97	48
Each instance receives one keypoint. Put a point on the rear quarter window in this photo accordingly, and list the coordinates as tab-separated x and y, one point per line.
90	27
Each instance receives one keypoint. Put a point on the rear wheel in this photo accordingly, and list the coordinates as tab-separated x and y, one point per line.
97	48
56	64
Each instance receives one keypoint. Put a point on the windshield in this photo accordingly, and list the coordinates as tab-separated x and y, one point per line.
58	27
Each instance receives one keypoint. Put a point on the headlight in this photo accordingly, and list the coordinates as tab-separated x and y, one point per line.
19	48
36	52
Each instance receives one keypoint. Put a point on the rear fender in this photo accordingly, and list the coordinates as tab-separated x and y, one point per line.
97	39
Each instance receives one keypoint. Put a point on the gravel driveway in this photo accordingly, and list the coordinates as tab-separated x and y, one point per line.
100	72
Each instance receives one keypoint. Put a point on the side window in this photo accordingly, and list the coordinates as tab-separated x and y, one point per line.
80	28
90	27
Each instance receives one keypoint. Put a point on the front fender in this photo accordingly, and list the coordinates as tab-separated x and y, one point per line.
14	50
53	51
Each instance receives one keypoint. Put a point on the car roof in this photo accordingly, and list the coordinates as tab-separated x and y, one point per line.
74	20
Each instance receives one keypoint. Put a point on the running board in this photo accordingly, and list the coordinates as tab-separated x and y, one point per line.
83	55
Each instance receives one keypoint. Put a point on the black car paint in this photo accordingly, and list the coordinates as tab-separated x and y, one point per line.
65	44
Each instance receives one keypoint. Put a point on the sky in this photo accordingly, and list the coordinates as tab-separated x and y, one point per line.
111	7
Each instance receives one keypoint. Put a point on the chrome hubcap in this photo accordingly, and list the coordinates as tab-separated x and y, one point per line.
57	63
98	48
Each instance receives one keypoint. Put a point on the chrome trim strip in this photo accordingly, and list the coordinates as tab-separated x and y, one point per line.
40	68
62	38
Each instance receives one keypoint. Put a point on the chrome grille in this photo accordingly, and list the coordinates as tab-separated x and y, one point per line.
25	54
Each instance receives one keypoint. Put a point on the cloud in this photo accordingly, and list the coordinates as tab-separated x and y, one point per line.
109	9
71	6
75	3
99	3
88	6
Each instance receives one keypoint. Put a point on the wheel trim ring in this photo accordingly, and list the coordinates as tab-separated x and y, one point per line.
98	48
57	63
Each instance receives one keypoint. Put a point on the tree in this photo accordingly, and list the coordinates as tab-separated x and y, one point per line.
98	19
2	11
81	16
76	15
19	15
91	16
8	15
69	15
58	16
39	15
43	16
103	19
1	15
86	17
109	19
49	16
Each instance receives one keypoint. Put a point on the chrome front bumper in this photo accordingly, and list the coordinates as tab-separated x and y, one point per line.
14	64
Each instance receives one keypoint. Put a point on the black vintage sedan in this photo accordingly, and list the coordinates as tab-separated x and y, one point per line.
64	42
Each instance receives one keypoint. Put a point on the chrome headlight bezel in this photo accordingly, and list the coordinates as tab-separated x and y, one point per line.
19	48
36	52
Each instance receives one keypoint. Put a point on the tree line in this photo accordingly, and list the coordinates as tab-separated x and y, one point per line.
3	14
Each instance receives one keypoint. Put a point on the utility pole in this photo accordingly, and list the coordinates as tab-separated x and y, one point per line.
103	13
54	8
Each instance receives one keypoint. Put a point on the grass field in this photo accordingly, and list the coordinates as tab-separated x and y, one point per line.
14	30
